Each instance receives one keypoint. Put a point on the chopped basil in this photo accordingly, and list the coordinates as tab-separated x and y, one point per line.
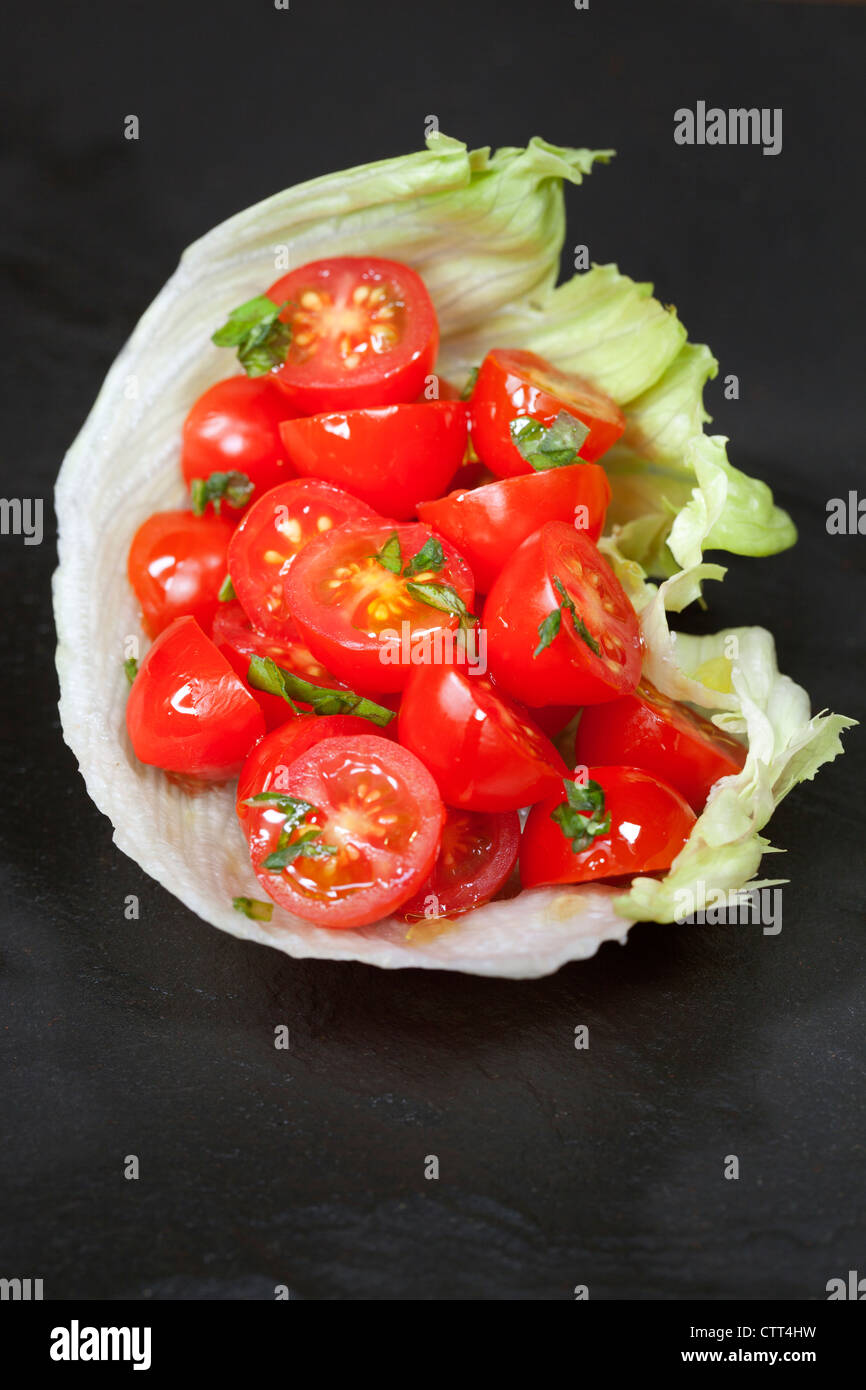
227	590
234	488
446	599
254	908
548	446
470	384
431	556
390	557
258	333
130	667
306	846
264	674
549	627
292	807
582	816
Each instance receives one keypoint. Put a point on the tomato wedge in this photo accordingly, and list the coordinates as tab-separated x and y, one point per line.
392	458
364	333
649	824
351	608
484	751
267	766
368	824
488	523
235	427
648	730
270	537
590	652
239	641
513	383
187	711
176	566
477	852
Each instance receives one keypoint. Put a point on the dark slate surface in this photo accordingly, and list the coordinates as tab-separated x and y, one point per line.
558	1167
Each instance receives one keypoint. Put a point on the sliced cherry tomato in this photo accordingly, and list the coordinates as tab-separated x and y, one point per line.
177	565
649	824
373	829
187	711
235	427
272	534
392	458
512	383
364	333
268	764
477	853
239	641
351	608
484	751
488	523
647	729
593	649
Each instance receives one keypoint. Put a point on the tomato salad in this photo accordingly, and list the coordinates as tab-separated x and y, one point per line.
386	613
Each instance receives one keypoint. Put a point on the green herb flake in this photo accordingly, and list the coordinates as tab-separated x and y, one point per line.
130	668
431	556
582	817
390	557
234	488
548	446
256	330
253	908
227	590
306	846
466	393
264	674
549	627
445	598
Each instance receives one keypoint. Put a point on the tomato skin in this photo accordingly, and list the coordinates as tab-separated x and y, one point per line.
272	534
235	426
317	378
634	799
331	620
380	807
661	736
512	382
488	523
267	765
484	751
392	458
187	712
523	595
477	853
176	566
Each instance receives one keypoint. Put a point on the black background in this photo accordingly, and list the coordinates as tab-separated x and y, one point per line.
558	1167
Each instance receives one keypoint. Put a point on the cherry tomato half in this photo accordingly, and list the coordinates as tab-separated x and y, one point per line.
239	641
235	427
393	457
351	609
596	653
270	537
512	383
187	711
267	766
364	333
484	751
488	523
477	852
649	824
374	832
177	565
662	736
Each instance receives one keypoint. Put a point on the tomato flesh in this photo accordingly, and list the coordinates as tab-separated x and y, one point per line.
235	427
176	566
568	669
477	853
649	825
376	807
648	730
187	711
484	751
488	523
514	383
271	536
392	458
364	333
351	609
